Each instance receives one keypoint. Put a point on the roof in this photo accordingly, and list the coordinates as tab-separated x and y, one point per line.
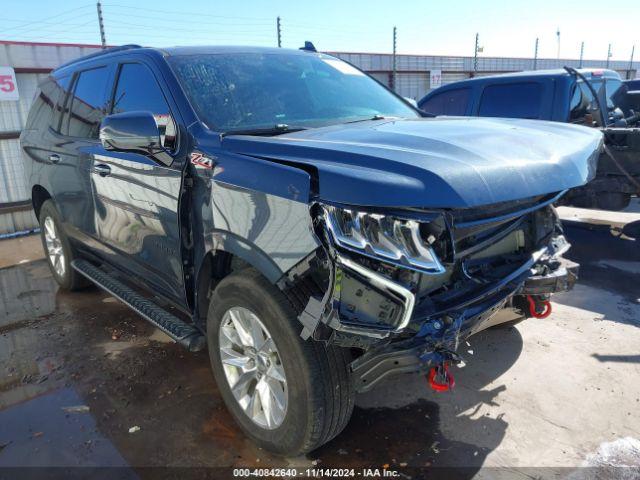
183	51
220	49
556	72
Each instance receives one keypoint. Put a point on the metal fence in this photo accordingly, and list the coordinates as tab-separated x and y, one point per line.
412	71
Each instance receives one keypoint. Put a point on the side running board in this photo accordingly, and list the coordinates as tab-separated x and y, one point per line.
183	333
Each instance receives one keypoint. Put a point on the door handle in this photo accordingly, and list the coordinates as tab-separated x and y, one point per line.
102	169
54	158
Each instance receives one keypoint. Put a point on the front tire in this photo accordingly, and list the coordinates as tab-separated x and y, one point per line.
289	395
58	250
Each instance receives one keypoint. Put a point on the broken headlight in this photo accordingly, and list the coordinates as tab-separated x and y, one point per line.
400	241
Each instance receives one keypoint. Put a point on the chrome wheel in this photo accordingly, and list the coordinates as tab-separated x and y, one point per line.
253	367
54	246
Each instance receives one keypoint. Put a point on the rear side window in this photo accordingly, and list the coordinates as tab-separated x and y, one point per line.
62	85
87	105
511	100
42	109
451	102
138	90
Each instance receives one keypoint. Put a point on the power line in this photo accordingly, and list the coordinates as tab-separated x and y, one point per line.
20	27
306	27
22	20
118	15
64	30
183	12
127	25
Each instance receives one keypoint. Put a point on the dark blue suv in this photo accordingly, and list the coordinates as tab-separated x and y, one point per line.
589	97
297	218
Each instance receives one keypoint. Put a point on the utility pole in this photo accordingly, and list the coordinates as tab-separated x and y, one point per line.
393	73
581	54
103	40
633	50
535	56
608	55
279	27
475	53
558	40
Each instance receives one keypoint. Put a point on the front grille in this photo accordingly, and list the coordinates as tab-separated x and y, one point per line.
473	230
498	210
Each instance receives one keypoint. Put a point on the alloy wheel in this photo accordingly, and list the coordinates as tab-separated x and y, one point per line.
54	246
253	367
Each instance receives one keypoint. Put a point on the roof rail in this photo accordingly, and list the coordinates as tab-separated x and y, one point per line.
97	54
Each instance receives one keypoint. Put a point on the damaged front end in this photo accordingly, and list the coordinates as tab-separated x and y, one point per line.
407	286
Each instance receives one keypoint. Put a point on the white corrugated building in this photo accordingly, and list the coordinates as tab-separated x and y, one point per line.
32	61
414	72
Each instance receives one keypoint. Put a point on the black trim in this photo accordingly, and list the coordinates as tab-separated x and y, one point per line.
10	135
13	207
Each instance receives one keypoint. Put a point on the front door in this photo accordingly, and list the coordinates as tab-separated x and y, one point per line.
137	197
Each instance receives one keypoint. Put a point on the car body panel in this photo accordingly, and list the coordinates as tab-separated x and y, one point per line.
136	219
431	163
254	208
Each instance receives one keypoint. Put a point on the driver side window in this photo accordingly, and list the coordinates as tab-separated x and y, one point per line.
138	90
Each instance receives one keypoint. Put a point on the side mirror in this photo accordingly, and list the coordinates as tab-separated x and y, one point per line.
131	132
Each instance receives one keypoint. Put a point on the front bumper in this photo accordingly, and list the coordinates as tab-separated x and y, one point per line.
421	334
399	310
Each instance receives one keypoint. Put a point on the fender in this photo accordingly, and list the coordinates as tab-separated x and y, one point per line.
252	208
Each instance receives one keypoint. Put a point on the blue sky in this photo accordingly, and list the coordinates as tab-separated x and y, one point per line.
506	28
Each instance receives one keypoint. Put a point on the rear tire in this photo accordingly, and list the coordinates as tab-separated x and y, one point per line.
318	386
58	250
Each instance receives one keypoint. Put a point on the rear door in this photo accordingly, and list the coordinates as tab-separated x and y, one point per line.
73	143
137	200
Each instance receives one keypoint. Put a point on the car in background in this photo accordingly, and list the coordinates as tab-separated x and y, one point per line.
633	84
590	97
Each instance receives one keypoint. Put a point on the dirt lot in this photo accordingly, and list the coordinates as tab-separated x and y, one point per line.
78	371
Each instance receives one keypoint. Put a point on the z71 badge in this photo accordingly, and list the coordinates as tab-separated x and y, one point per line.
199	160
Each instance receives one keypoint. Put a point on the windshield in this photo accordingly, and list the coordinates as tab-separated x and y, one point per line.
259	90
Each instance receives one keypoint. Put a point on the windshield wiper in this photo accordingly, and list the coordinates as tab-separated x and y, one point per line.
377	116
277	129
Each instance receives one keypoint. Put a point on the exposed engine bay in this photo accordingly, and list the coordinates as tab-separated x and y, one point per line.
406	287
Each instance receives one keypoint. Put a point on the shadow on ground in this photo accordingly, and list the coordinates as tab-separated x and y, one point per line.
403	423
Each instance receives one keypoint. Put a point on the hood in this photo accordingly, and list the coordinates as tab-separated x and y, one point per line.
445	162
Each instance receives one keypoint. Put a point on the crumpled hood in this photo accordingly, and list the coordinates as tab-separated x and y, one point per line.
448	162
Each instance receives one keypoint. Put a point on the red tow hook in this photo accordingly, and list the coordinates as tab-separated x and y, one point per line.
441	371
533	307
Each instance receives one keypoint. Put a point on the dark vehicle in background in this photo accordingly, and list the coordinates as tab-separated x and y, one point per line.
633	84
297	218
594	98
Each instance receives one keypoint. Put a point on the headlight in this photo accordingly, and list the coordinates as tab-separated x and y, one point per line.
386	238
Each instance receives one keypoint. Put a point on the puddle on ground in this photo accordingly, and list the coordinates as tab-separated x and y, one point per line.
41	433
26	292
